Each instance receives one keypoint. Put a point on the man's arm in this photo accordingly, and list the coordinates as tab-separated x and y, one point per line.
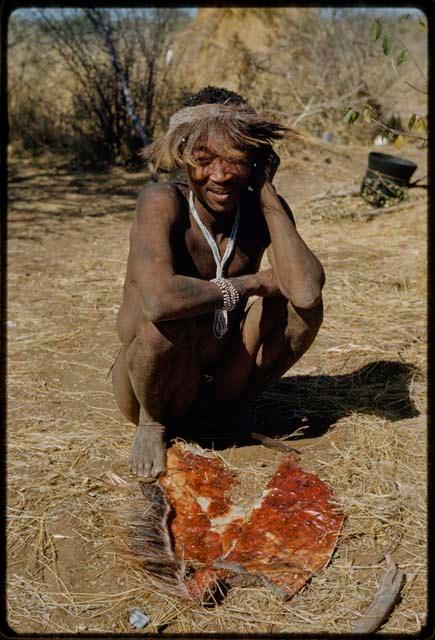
297	271
164	294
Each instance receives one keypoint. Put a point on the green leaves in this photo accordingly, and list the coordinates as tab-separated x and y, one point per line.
388	38
402	57
399	142
375	33
351	116
367	115
421	124
386	43
376	29
411	121
418	122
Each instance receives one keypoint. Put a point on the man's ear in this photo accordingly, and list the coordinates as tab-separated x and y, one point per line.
259	162
262	156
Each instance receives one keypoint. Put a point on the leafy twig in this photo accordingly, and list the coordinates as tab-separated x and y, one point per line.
397	131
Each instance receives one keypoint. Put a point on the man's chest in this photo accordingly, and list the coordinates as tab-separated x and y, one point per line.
195	256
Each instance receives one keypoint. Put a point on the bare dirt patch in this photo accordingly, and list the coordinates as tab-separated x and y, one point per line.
354	405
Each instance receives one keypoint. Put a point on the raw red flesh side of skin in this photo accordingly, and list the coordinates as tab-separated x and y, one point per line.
287	538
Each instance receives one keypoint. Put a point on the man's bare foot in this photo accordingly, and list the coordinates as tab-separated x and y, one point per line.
244	416
148	453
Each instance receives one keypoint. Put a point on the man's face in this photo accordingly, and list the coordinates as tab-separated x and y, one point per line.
219	182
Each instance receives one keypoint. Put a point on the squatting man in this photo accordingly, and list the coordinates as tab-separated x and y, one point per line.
195	253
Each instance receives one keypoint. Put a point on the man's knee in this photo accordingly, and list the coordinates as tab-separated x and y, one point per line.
160	351
163	367
161	337
300	326
303	325
313	318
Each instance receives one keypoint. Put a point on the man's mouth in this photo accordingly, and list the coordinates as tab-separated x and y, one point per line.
221	195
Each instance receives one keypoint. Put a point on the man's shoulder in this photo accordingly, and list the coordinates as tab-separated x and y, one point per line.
164	198
164	192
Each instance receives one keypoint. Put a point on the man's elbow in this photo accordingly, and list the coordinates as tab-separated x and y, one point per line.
160	308
322	278
154	308
311	296
315	291
160	300
308	301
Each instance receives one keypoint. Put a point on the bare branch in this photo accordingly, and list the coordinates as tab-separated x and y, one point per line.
385	600
412	58
416	88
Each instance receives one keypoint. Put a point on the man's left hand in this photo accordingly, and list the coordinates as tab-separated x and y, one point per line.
265	170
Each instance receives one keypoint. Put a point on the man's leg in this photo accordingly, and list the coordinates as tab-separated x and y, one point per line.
156	378
273	336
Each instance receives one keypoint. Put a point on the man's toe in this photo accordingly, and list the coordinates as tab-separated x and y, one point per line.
159	465
158	470
146	469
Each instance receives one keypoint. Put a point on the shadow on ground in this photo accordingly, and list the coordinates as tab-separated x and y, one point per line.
308	406
56	183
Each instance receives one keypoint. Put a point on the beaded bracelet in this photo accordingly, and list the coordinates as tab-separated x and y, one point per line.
231	296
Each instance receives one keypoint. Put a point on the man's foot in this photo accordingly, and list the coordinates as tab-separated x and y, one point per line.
203	401
200	415
148	453
244	416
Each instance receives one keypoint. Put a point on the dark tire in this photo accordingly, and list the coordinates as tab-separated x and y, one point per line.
387	178
395	168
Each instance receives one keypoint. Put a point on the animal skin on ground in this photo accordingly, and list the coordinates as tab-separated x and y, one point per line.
191	537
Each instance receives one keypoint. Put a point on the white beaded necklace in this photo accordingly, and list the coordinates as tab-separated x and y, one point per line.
220	324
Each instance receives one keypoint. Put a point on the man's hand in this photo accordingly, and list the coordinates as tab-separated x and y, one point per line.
271	165
262	283
267	284
267	166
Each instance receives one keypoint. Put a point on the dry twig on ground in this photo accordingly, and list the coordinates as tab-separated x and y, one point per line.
385	600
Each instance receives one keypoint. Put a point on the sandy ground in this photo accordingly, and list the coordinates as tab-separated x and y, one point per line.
357	398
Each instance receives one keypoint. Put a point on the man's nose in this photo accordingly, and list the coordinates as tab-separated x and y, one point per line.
219	170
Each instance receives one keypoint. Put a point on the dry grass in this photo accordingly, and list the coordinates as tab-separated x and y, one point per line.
358	397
